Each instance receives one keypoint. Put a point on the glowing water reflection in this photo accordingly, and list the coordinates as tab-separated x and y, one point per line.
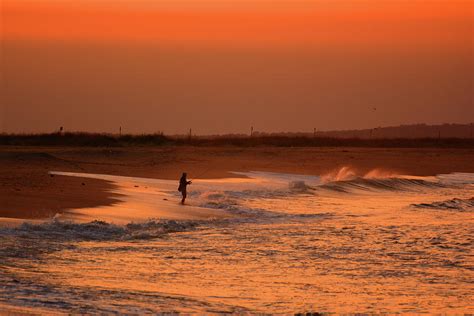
267	243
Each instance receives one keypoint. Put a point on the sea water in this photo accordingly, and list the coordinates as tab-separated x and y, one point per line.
287	244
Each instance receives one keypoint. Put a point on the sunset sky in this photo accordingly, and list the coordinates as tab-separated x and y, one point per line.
222	66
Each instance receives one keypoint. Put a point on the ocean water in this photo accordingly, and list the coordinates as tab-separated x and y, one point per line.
338	242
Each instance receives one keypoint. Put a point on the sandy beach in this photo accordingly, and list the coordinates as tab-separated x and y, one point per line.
247	157
28	191
264	230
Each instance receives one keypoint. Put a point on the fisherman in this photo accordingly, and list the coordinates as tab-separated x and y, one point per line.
183	183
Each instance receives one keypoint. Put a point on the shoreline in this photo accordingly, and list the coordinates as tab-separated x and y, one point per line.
45	196
27	191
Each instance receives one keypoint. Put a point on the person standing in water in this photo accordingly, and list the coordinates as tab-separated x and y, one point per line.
183	183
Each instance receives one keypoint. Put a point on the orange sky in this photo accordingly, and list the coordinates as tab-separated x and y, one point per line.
245	23
221	66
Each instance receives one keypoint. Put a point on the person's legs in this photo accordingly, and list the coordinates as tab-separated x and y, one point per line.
184	196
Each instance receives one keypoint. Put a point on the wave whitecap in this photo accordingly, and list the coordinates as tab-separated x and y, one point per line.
99	230
388	184
461	205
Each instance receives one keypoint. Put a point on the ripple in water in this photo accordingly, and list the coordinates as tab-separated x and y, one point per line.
295	244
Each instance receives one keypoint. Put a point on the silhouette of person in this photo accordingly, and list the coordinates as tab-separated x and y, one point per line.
183	183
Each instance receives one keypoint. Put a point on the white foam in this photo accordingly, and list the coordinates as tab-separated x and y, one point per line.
456	178
258	194
61	230
280	179
140	199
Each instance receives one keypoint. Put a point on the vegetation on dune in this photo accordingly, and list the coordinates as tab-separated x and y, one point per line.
110	140
81	139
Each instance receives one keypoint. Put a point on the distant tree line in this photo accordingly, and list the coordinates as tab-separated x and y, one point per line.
257	139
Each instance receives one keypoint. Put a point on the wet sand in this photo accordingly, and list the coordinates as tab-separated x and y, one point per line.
27	191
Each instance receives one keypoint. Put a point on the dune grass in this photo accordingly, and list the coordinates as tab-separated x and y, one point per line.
82	139
109	140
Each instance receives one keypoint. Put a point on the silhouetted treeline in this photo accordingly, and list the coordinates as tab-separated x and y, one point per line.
402	131
82	139
109	140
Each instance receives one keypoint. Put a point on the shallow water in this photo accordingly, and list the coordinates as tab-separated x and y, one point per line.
288	243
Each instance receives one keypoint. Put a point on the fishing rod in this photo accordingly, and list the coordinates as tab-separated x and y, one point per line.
201	174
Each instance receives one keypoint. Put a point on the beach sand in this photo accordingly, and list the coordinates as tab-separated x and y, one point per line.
28	191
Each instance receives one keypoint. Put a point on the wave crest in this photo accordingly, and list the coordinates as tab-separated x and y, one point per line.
99	230
389	184
347	173
461	205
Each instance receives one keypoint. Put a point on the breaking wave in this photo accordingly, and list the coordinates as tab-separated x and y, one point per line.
98	230
461	205
342	180
268	198
348	173
380	184
347	179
